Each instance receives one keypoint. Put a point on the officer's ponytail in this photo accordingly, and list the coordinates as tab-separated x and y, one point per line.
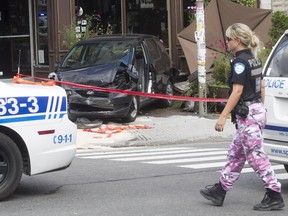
247	37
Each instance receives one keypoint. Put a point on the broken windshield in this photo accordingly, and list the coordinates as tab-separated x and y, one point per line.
100	52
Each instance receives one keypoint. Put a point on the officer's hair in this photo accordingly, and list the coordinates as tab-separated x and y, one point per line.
247	37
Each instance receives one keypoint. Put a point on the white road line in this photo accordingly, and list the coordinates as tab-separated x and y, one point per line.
249	169
148	153
170	156
282	176
186	160
202	166
80	154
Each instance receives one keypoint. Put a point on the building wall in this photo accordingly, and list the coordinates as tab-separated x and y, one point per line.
280	5
265	4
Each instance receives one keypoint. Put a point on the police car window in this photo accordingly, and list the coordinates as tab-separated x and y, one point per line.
278	64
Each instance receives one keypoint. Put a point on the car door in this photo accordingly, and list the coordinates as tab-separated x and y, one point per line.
276	100
141	65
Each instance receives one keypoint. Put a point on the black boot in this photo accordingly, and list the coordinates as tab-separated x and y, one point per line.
214	193
271	201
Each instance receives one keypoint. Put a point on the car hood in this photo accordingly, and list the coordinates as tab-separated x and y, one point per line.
99	75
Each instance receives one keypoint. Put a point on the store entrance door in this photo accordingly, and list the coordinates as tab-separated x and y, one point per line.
14	38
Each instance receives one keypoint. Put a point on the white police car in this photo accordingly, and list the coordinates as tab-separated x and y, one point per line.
275	73
36	135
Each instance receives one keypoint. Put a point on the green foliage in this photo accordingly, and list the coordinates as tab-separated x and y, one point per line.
221	70
69	35
247	3
94	27
279	25
221	64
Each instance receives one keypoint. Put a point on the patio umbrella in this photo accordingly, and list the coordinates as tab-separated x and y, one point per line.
219	14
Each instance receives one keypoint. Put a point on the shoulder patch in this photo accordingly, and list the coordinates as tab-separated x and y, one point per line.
239	68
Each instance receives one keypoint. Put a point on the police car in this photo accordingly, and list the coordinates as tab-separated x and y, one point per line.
36	135
276	100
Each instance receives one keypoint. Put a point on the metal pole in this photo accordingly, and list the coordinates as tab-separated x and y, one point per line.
201	55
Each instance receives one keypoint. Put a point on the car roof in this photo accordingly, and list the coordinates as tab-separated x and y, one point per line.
127	37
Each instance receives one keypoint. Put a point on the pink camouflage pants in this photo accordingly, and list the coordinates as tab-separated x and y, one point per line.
247	145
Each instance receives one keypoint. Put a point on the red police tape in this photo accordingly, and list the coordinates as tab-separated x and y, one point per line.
17	79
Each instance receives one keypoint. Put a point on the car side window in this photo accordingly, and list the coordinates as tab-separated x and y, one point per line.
74	57
139	57
154	51
278	64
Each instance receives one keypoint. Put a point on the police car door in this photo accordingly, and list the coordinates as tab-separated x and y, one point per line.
276	100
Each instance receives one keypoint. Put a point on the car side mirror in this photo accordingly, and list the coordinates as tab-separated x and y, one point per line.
53	76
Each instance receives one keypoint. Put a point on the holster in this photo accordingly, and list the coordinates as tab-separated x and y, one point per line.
241	109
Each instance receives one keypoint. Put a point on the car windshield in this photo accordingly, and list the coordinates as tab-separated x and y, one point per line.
100	52
277	67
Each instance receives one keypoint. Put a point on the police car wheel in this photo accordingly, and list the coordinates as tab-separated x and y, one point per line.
11	166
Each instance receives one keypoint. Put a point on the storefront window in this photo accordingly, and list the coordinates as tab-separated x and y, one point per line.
106	14
189	8
42	33
14	38
148	17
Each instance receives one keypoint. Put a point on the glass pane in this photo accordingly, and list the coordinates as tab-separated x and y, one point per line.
148	17
106	14
278	64
14	36
42	33
9	56
189	8
14	19
153	49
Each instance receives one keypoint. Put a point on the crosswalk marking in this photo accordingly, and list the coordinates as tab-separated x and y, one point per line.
181	157
84	153
282	176
194	154
186	160
249	169
174	153
205	165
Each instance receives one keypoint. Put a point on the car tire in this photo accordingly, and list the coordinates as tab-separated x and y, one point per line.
11	166
286	167
133	111
168	91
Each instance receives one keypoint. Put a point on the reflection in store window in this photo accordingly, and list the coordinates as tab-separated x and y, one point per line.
106	14
148	17
189	8
14	38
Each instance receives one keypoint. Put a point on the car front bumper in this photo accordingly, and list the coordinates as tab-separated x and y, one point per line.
113	105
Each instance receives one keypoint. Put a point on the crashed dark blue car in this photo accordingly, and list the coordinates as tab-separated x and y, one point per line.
126	62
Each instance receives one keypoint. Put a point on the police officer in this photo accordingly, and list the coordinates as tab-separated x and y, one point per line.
246	104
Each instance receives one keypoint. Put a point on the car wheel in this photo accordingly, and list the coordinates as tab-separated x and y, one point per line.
286	167
133	111
168	91
11	166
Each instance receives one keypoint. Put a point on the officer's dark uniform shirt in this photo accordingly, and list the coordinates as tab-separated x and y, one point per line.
246	70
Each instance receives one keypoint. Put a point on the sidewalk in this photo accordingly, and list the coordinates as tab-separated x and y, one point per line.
173	129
